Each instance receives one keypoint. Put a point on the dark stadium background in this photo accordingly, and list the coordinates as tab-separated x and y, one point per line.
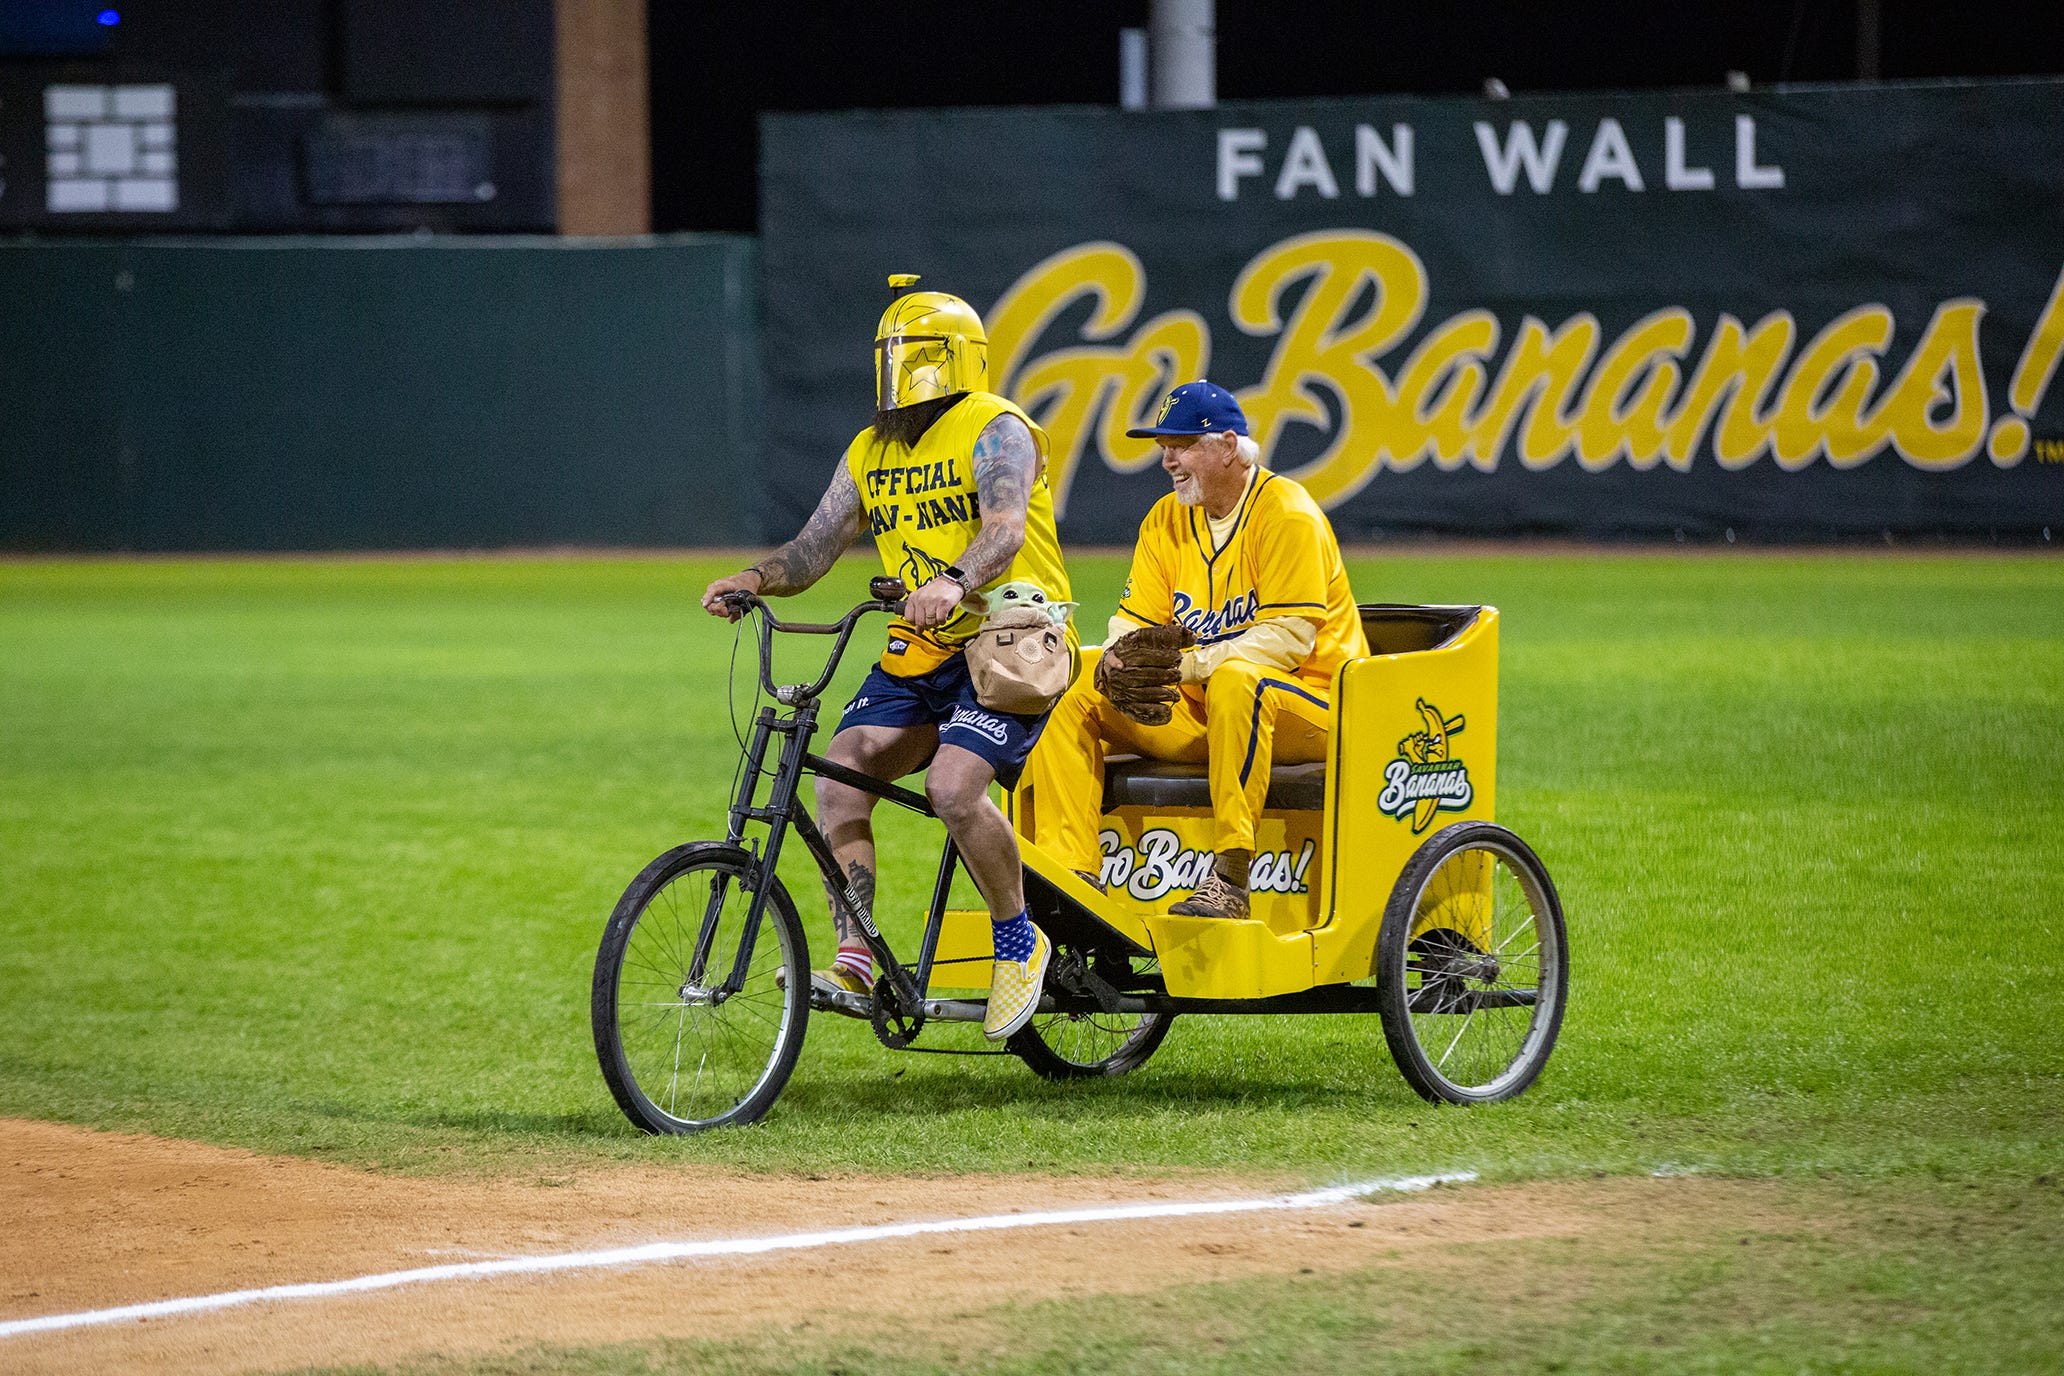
715	67
582	276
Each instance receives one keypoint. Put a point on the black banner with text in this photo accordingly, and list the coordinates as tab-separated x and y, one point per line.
1788	314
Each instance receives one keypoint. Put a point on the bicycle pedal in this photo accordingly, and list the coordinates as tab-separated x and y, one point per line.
838	1001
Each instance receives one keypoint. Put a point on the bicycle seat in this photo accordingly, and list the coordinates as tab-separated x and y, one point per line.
1131	781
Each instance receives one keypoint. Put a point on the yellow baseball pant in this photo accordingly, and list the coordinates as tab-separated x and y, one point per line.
1239	721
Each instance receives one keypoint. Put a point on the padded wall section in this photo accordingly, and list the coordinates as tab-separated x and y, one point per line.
377	394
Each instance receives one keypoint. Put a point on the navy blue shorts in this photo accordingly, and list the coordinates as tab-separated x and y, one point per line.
945	698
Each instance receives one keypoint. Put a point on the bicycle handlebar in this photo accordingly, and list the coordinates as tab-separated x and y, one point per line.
888	597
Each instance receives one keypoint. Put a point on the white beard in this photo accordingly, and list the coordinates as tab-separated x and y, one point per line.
1189	491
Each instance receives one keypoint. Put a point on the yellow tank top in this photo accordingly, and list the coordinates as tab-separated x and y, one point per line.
923	510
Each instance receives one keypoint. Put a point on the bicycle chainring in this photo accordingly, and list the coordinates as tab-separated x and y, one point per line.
893	1028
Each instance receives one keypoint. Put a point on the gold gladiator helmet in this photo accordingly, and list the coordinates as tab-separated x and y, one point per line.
928	345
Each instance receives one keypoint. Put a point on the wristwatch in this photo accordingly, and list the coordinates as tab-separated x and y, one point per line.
953	571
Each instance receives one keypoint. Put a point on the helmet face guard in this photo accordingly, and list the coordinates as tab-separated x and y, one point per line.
929	345
909	368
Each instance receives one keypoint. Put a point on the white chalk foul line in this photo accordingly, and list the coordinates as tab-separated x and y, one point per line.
713	1247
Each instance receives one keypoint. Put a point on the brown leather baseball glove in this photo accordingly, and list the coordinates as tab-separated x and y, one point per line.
1140	670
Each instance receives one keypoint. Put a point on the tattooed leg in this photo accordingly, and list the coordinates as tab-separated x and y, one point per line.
860	883
846	814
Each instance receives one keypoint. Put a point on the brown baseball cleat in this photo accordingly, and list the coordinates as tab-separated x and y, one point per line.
1215	897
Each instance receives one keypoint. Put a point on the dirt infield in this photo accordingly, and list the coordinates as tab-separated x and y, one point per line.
103	1219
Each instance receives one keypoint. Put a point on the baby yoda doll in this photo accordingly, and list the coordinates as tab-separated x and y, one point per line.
1019	594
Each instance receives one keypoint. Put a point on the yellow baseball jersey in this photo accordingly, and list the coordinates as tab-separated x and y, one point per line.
924	512
1280	559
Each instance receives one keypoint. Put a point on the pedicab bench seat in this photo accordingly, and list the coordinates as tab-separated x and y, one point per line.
1130	781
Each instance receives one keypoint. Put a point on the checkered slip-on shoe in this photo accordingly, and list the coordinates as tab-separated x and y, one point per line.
1014	987
840	979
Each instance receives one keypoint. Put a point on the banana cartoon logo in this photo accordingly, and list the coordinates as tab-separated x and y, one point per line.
919	568
1431	745
1425	778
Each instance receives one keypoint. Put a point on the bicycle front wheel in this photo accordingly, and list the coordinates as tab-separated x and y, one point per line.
695	1027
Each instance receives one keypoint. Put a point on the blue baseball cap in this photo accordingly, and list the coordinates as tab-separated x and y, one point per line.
1196	408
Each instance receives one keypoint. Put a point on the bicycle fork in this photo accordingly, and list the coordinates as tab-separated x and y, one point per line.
775	816
782	809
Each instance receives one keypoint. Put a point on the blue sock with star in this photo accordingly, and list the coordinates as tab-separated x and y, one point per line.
1015	938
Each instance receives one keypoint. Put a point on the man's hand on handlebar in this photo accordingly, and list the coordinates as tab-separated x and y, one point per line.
933	603
716	603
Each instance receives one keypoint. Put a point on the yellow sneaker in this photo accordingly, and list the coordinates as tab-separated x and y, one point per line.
841	979
837	980
1014	987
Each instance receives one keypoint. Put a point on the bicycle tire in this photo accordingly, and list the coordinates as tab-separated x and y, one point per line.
1081	1046
741	1049
1472	875
1049	1045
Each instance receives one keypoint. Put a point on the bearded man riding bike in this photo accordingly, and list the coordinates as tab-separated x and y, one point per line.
951	480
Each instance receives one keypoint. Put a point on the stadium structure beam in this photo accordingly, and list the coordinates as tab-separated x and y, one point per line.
603	117
1182	50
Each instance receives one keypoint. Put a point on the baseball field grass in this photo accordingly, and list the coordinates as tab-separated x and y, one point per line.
311	857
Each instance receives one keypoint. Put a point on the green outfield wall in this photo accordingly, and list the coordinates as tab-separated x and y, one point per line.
301	394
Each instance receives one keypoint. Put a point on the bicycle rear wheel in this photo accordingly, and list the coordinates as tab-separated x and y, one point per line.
1078	1046
1075	1046
1472	966
679	1051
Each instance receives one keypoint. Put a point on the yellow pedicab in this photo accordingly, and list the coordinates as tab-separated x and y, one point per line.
1380	884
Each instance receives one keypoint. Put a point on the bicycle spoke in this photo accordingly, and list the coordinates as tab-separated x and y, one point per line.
1524	926
673	1084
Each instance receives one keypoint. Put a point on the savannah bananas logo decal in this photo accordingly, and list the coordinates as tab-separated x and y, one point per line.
1425	778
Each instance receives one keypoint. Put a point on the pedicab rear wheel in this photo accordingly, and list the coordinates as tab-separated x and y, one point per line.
1472	966
1080	1046
1077	1046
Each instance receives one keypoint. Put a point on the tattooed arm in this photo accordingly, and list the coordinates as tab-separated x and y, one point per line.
830	532
1006	465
